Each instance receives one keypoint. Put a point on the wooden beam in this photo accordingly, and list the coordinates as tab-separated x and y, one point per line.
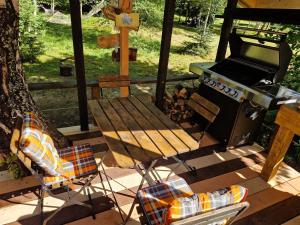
285	16
226	30
95	83
126	6
267	4
79	62
288	119
165	51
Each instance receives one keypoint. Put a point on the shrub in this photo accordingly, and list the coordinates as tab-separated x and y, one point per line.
151	12
31	31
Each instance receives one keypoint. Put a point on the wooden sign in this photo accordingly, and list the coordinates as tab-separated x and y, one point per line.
109	12
131	21
124	5
2	4
109	41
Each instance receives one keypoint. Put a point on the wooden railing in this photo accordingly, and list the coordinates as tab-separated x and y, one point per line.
94	83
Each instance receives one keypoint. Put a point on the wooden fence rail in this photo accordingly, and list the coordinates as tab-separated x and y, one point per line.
95	83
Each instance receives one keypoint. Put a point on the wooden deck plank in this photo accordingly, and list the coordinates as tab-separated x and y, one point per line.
124	133
294	221
19	184
162	128
269	197
112	138
165	148
142	138
177	130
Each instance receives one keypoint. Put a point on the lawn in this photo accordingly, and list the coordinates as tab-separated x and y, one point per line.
98	62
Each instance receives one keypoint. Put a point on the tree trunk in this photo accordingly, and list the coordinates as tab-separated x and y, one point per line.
15	98
52	6
35	7
97	8
207	17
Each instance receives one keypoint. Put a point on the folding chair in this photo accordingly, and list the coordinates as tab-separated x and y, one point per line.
173	202
208	111
78	165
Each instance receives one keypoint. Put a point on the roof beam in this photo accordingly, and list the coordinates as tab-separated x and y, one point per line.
285	16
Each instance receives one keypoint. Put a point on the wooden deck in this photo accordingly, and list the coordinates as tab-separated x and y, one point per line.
276	202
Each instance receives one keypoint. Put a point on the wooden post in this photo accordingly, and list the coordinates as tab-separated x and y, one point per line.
165	51
79	62
124	58
226	29
288	119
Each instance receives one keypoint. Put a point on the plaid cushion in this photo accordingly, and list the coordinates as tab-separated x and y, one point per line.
156	199
30	120
77	162
204	202
182	208
38	146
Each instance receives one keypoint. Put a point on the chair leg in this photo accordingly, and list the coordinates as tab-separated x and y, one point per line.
41	197
91	203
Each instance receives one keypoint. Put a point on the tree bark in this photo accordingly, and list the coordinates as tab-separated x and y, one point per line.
207	17
15	98
52	6
35	7
97	8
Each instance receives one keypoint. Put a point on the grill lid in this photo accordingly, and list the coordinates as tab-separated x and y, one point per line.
251	62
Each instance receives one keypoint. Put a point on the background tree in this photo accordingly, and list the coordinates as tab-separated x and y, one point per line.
15	98
31	26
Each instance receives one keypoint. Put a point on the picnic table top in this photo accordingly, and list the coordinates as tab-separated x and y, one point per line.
136	131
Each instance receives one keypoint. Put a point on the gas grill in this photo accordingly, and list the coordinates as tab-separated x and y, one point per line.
245	85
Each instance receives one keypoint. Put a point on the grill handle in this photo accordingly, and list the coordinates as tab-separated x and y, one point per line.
282	35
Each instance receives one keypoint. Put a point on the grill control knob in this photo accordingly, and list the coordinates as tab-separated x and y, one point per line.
233	92
206	80
227	90
212	83
221	86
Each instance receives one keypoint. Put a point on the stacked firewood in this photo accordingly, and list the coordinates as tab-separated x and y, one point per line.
176	104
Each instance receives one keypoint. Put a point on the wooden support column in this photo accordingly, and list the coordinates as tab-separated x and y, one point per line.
79	62
124	58
288	119
226	29
124	47
165	51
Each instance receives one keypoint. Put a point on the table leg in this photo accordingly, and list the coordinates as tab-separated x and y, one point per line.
190	169
279	147
145	176
108	181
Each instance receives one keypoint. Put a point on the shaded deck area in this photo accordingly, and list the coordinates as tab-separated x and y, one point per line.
276	202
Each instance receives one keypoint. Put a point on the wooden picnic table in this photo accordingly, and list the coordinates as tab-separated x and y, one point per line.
136	131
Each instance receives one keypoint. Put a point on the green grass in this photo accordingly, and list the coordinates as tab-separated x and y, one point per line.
58	45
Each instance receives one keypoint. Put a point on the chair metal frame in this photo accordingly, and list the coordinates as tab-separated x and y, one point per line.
231	212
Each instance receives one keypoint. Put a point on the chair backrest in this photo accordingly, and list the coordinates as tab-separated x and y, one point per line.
204	107
229	213
14	146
